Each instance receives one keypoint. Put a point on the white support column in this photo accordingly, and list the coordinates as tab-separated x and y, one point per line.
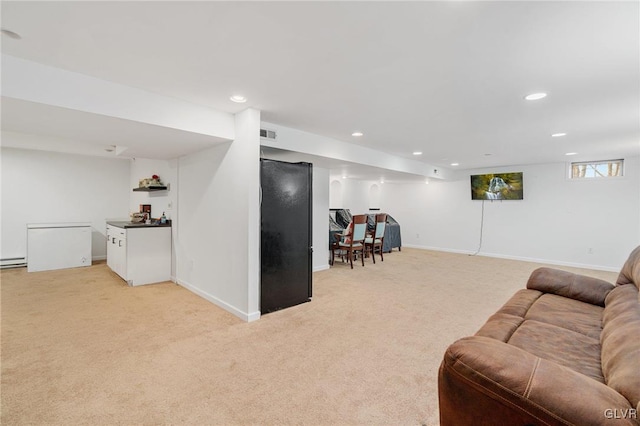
248	138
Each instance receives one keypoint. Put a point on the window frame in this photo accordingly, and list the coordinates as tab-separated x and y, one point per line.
597	176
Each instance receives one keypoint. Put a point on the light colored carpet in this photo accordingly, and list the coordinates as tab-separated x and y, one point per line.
80	347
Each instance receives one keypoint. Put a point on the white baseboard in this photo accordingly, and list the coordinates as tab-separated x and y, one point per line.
521	258
446	250
253	316
321	268
99	257
248	317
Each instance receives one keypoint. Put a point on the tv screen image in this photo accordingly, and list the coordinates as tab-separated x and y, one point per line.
497	186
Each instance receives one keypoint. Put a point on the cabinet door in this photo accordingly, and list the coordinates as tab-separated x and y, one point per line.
148	255
117	250
121	257
111	245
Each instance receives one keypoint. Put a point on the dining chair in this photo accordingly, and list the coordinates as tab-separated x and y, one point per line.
334	247
377	238
336	236
354	243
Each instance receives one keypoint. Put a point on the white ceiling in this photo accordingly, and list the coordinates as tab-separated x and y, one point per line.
446	78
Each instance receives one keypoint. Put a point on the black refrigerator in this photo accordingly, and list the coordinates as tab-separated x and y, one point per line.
286	234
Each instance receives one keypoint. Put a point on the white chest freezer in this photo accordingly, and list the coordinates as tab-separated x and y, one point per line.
58	245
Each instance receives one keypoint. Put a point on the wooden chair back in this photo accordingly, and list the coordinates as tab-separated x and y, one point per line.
381	222
359	228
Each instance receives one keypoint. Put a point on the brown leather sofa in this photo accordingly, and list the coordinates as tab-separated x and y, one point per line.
563	351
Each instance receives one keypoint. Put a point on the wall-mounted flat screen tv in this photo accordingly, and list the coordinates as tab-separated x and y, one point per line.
497	186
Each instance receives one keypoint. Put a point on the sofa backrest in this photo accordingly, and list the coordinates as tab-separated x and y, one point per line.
630	273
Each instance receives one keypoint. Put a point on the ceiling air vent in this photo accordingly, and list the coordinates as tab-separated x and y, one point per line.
268	134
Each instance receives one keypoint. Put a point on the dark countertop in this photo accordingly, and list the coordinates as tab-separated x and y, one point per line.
124	224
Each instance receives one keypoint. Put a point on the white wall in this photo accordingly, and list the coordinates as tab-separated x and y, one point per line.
218	241
355	195
560	221
335	193
320	218
161	201
44	187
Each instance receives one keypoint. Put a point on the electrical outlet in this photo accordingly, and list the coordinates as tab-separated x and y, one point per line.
169	205
418	236
590	250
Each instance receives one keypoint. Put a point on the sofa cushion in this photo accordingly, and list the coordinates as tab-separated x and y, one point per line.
565	347
567	313
552	327
502	324
520	302
620	341
548	308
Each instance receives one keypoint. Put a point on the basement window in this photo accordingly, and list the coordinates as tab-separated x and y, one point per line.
597	169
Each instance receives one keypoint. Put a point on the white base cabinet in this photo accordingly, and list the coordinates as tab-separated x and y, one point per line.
140	255
117	250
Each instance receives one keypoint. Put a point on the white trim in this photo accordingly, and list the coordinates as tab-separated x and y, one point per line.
321	268
520	258
415	246
248	317
102	257
253	316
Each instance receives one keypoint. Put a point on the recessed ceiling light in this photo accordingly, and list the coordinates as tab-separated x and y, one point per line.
571	153
417	152
558	135
426	182
238	99
11	34
357	134
535	96
455	164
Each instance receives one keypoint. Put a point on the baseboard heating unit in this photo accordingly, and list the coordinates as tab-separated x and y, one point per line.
13	262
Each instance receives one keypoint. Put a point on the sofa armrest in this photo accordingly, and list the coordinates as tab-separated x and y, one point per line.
567	284
483	381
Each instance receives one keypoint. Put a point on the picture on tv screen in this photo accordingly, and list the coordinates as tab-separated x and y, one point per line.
497	186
